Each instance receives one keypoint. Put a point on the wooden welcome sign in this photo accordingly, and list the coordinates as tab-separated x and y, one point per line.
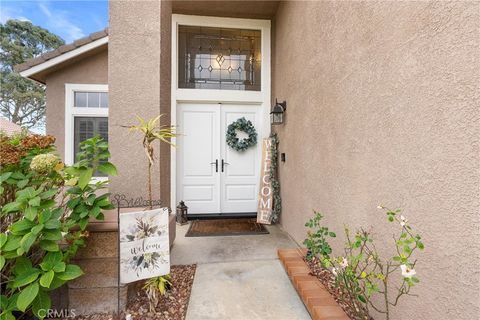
265	196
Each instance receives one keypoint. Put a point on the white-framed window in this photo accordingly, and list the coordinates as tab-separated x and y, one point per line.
86	115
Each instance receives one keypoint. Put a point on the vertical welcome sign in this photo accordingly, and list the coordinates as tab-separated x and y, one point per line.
265	197
144	245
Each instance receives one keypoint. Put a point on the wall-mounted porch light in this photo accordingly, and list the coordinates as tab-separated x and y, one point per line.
276	115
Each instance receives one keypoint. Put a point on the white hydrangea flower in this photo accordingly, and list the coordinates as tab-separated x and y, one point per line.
44	163
407	272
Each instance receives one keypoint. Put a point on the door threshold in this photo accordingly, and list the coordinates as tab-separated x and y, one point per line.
235	215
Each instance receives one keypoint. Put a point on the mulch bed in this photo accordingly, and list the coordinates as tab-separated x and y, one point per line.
327	278
172	306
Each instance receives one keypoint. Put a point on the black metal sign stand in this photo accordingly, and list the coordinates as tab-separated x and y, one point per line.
123	202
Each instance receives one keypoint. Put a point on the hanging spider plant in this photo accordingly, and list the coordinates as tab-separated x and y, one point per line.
152	131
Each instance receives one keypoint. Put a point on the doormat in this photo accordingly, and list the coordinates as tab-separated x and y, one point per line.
225	227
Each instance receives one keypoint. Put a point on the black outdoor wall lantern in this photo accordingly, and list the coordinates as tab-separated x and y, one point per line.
278	110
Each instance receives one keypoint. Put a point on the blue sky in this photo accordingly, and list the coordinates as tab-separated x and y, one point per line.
70	20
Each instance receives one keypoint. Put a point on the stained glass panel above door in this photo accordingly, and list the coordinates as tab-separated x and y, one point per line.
219	58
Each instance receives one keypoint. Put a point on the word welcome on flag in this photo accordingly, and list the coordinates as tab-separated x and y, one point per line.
265	197
144	246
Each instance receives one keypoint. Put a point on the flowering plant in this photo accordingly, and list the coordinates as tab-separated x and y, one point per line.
45	208
361	273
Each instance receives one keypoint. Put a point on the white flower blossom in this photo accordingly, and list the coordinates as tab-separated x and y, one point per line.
344	263
403	221
334	271
379	207
407	272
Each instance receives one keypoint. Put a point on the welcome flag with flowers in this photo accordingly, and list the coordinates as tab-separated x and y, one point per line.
144	245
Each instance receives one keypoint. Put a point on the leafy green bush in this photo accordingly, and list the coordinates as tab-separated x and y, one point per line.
46	207
316	241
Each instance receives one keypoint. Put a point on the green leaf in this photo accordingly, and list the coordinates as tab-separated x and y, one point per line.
35	202
332	234
108	169
46	279
49	245
50	260
2	262
54	235
44	216
21	225
36	230
26	297
49	193
362	298
22	183
90	199
5	176
26	278
85	176
420	245
56	283
59	267
71	272
12	207
52	224
13	243
83	223
31	213
22	265
41	303
27	241
3	239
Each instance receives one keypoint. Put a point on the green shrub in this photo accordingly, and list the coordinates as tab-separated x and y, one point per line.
46	207
316	242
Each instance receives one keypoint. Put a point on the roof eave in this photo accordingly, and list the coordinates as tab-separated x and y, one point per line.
44	66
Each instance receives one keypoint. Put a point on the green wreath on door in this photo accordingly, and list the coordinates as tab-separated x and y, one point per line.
246	126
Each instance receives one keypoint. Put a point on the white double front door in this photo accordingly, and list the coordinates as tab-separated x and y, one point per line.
212	177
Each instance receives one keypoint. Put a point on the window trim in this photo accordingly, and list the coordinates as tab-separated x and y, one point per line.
71	112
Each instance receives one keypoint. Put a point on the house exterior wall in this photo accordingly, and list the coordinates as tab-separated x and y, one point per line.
139	79
385	99
91	70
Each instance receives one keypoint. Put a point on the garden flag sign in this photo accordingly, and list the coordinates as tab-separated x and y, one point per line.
144	245
265	197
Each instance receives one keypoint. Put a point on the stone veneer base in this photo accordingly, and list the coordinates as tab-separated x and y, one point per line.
319	302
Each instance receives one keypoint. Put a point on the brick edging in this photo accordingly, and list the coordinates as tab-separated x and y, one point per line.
320	304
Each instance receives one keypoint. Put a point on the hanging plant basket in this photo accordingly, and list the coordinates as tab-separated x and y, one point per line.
246	126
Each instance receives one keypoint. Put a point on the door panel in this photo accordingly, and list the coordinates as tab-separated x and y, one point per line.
234	187
198	183
241	173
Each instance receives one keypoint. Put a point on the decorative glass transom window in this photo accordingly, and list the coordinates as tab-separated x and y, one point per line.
219	58
91	99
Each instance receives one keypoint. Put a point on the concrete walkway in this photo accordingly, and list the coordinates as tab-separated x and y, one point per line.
239	277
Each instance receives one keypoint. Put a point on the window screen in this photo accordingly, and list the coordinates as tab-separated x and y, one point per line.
86	128
91	99
219	58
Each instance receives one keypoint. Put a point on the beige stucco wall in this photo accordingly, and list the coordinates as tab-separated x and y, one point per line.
135	65
90	70
383	107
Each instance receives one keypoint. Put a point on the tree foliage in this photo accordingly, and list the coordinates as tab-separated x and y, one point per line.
22	101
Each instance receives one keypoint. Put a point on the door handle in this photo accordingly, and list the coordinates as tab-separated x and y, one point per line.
223	164
216	164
